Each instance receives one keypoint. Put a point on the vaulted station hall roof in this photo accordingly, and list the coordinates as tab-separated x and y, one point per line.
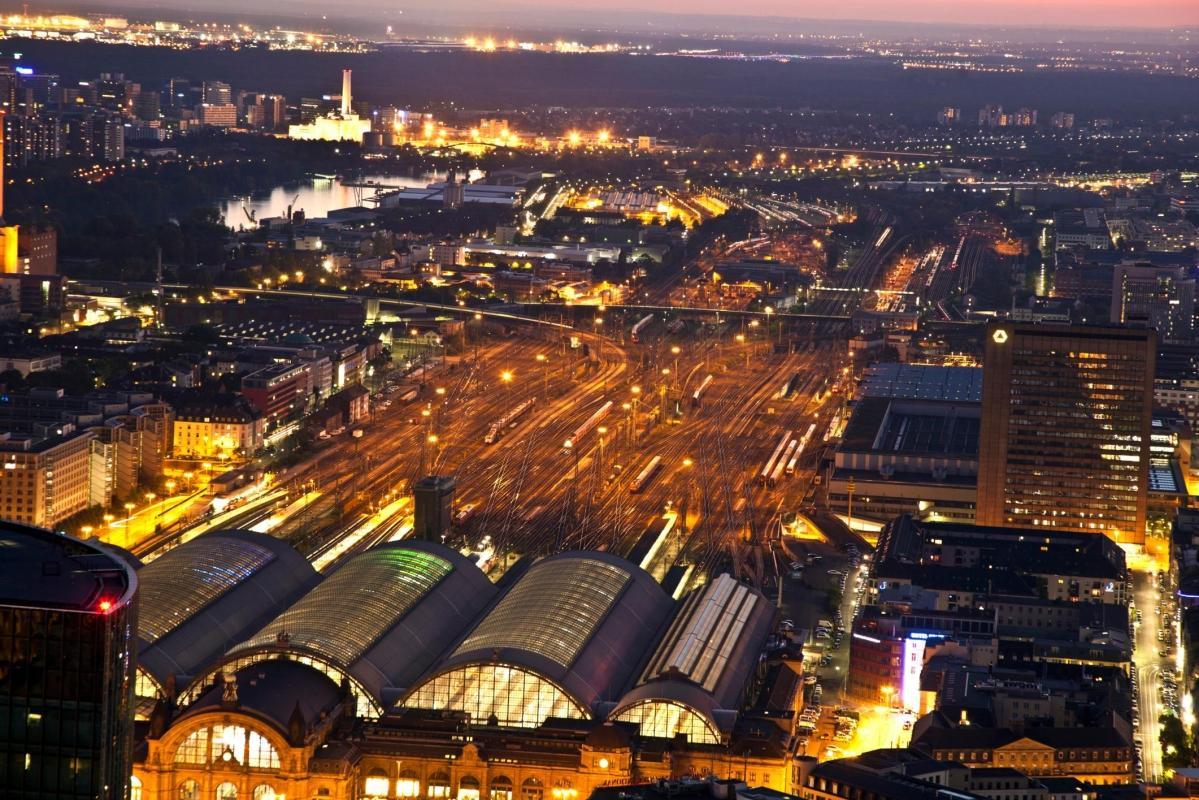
379	621
568	634
201	597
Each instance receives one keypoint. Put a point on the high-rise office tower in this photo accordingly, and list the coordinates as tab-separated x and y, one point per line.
68	629
216	93
1065	433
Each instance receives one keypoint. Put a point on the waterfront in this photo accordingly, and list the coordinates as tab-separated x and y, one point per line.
319	195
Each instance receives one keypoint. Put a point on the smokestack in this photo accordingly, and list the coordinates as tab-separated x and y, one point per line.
346	97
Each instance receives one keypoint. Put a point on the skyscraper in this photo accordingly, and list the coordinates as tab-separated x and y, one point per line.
1065	428
68	625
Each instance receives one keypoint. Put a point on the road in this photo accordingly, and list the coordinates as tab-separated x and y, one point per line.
1153	671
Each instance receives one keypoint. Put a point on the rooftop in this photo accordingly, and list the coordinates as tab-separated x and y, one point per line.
41	569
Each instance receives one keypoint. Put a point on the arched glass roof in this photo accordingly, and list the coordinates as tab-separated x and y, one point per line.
380	621
357	604
184	580
553	610
699	671
203	596
568	634
703	638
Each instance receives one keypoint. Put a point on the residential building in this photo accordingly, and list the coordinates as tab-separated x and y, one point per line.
217	427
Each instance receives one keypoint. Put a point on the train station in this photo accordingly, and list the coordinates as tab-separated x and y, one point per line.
406	673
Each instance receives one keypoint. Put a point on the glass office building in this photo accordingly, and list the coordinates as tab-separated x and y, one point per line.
68	622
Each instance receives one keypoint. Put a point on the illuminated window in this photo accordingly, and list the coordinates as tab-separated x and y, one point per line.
135	788
439	785
228	743
226	791
376	783
501	788
468	788
515	697
264	791
194	750
408	784
189	790
532	789
662	719
262	755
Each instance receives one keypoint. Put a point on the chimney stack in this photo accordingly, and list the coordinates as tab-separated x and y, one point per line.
346	97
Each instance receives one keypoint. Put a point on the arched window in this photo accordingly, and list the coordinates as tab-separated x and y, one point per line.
408	784
468	788
439	786
516	697
532	789
376	783
264	791
226	791
228	743
189	790
663	719
501	788
135	788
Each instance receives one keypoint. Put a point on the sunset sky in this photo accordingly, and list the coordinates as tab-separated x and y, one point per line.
1031	13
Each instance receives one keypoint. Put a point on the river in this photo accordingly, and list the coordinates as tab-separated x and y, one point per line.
318	196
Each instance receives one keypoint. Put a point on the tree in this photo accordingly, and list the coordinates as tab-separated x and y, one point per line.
1177	747
12	379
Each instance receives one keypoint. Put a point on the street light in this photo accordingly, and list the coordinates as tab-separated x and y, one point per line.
602	430
86	530
543	359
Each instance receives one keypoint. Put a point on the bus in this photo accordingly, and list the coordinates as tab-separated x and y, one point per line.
646	475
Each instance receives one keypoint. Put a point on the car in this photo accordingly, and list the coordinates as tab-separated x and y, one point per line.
787	623
833	571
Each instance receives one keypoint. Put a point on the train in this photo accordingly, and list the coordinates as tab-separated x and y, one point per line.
780	466
591	422
640	326
675	327
646	475
498	428
768	469
699	392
